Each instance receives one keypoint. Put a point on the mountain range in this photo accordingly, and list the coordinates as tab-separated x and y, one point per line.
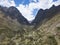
15	29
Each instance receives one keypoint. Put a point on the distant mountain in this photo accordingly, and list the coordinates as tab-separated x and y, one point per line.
40	17
14	14
16	30
45	14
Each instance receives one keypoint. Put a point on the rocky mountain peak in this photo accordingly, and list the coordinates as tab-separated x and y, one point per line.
13	13
45	14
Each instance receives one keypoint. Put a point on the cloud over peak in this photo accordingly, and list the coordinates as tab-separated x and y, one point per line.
7	3
27	10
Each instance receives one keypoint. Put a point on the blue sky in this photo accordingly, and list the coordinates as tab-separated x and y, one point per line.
21	2
54	0
29	8
25	1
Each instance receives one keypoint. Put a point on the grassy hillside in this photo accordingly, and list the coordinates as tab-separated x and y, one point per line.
14	33
50	31
8	27
11	31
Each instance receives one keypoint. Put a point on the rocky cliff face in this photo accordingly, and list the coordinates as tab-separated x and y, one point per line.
44	30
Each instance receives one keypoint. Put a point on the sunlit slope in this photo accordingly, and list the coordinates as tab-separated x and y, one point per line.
50	29
8	27
11	31
8	22
46	34
14	33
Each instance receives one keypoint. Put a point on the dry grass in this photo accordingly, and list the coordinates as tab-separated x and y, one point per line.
13	33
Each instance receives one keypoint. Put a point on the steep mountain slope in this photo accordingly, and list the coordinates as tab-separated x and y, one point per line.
12	24
45	14
50	31
44	30
14	14
7	26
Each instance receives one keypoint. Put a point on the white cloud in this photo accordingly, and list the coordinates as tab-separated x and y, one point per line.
44	4
27	10
7	3
56	3
35	0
